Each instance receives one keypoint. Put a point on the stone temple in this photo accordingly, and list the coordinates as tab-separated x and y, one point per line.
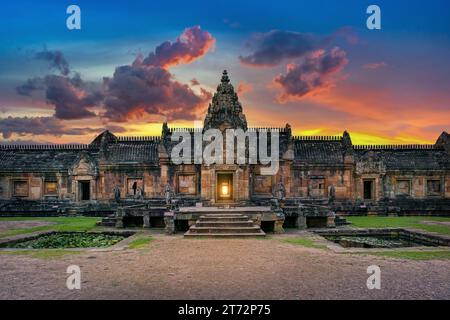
132	181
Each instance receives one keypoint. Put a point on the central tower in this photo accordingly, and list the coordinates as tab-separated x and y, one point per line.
225	111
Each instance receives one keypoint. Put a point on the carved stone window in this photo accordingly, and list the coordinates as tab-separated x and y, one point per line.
20	188
434	187
262	185
403	187
317	187
133	185
187	184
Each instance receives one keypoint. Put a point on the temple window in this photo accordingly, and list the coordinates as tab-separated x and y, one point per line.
187	184
262	185
403	187
134	186
317	187
20	188
434	187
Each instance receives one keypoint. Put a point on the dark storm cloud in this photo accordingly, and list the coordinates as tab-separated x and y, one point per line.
68	97
271	48
38	126
311	75
136	89
29	86
56	60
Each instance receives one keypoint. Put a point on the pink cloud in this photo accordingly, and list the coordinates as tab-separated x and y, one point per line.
314	74
192	44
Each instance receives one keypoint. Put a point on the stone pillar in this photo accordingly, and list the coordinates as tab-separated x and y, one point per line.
119	217
301	222
278	225
147	220
330	222
169	221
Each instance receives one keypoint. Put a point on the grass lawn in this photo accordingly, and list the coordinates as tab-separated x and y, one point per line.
401	222
305	242
60	224
140	242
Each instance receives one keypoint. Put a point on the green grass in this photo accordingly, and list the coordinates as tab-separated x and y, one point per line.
401	222
41	254
140	242
415	255
61	224
305	242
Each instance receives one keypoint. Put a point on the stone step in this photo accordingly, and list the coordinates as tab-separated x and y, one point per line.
224	219
201	223
225	235
220	214
252	229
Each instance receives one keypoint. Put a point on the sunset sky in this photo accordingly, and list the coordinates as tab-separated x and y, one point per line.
312	64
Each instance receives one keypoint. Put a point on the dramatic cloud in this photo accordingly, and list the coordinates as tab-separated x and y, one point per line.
144	87
137	89
70	99
70	96
56	60
192	44
273	47
30	85
313	74
38	126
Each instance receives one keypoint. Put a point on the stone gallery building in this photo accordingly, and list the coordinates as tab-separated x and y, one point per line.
317	177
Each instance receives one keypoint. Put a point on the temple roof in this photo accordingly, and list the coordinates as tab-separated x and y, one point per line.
407	158
326	150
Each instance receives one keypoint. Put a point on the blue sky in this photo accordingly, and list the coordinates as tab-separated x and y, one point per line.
386	78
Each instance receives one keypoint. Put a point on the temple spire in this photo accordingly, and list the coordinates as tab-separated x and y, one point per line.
225	110
225	78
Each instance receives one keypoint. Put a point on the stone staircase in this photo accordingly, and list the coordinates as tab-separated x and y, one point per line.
224	225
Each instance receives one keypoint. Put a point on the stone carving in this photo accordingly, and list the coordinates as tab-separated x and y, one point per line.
225	109
117	194
280	191
331	194
168	195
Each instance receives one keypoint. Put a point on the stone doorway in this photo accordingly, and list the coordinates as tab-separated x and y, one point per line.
368	190
85	190
224	188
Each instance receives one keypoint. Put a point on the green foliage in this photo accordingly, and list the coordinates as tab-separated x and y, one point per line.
305	242
140	242
415	222
69	240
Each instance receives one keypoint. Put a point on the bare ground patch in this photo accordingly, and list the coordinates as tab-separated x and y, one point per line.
22	224
178	268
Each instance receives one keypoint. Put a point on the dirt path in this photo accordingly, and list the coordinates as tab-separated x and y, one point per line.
177	268
25	224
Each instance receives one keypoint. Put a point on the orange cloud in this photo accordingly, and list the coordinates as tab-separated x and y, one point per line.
244	88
